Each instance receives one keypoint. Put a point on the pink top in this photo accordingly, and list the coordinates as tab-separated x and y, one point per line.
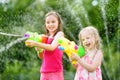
83	74
52	60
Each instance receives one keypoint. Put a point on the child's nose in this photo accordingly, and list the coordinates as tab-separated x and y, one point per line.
50	24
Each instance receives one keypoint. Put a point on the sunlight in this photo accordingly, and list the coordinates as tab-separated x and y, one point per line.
4	1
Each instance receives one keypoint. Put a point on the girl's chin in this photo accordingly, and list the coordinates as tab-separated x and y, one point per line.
88	47
52	31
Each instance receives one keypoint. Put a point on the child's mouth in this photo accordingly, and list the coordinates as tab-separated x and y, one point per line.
88	44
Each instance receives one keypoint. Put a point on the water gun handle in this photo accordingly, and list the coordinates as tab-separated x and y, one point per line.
40	53
73	62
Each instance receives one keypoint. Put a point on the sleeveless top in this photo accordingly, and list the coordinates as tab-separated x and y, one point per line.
83	74
52	60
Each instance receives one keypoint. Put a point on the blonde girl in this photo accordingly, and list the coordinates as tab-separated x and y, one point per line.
89	66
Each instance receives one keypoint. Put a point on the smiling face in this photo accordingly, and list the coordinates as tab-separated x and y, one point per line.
51	23
88	39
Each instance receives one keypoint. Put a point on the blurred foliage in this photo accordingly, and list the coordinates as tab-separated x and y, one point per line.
18	16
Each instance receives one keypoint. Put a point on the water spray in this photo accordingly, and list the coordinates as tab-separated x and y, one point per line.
11	44
20	39
6	34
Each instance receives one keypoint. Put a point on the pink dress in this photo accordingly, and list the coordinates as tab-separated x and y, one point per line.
83	74
52	68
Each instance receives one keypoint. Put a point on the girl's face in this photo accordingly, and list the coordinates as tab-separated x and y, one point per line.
88	40
51	23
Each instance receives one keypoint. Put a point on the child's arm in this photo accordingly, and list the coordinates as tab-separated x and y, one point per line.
90	67
49	47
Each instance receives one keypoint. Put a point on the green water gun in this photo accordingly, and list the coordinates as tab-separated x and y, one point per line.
35	37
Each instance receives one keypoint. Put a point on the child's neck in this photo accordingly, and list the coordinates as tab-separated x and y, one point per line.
52	34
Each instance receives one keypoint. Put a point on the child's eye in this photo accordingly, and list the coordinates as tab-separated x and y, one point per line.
83	39
47	22
53	21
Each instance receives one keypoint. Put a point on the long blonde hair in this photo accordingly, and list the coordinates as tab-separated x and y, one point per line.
58	18
95	33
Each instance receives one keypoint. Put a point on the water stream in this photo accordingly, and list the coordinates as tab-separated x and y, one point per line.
9	45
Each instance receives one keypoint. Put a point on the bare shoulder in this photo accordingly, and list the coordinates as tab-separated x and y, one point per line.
99	53
98	58
59	34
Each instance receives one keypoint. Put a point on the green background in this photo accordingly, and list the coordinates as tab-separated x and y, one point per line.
18	62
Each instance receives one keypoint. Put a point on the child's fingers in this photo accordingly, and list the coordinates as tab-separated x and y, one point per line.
72	57
37	48
29	43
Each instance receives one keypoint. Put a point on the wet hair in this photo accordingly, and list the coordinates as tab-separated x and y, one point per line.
59	21
93	32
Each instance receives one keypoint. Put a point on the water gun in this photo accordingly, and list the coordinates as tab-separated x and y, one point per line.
36	37
70	47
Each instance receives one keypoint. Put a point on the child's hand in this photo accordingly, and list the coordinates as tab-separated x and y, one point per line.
74	56
37	48
30	43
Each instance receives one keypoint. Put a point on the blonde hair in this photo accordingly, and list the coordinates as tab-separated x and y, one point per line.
95	33
58	18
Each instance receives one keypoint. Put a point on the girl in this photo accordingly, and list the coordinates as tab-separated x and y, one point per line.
88	67
52	68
